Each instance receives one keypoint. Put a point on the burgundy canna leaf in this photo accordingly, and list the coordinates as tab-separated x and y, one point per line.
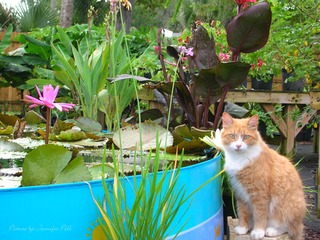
249	30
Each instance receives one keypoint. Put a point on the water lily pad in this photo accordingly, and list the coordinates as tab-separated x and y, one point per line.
150	131
32	117
8	119
7	131
12	155
88	125
60	125
6	146
44	164
71	135
76	171
90	143
28	143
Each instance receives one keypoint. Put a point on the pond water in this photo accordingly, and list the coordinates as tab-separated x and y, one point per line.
13	152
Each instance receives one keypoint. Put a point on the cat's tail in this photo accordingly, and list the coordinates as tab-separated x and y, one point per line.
296	231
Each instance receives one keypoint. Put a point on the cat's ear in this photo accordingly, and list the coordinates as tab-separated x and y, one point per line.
227	120
253	122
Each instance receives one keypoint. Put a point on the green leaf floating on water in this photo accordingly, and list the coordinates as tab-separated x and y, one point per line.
32	117
88	125
50	163
76	171
7	131
71	135
7	146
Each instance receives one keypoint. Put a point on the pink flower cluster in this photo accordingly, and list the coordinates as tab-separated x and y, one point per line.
260	63
186	51
224	57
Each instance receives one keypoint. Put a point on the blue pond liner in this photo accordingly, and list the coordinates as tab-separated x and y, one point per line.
67	211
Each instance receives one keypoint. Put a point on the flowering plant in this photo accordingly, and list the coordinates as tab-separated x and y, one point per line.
212	77
295	38
47	99
263	63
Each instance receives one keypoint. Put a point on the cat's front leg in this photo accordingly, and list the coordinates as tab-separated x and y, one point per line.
259	210
243	214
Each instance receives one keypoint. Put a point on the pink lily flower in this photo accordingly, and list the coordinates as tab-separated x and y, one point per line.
47	98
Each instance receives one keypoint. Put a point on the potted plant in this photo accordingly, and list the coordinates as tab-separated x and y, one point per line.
263	68
295	37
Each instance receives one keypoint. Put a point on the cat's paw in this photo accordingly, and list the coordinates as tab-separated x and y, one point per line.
240	230
257	234
273	232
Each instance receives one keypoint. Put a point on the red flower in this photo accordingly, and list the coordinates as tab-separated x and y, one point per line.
156	49
243	3
260	63
198	22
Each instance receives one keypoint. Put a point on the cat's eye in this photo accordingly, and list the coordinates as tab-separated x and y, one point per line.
246	137
232	136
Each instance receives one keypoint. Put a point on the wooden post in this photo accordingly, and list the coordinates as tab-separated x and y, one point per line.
318	177
289	142
231	235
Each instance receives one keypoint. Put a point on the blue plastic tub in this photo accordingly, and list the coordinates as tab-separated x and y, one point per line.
67	211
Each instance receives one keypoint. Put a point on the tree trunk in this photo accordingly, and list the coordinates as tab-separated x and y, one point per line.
127	17
53	5
66	13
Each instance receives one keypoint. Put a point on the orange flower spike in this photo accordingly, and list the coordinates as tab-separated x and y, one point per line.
187	40
126	4
198	22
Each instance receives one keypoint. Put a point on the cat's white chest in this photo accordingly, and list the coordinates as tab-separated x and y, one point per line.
235	162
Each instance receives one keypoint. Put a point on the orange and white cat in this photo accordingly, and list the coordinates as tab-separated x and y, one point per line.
268	189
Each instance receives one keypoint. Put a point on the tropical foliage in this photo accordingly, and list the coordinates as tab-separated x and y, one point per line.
211	78
31	15
7	17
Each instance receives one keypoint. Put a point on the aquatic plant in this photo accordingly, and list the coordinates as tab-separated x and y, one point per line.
47	99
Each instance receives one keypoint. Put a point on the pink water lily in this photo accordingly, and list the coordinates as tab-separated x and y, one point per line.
47	99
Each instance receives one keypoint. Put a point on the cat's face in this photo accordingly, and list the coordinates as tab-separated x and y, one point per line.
239	135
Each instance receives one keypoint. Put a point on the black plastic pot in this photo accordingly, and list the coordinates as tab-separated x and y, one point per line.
304	135
296	86
260	83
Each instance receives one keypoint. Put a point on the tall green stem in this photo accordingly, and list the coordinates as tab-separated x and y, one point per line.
48	120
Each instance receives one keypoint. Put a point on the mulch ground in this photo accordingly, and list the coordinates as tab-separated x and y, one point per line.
311	234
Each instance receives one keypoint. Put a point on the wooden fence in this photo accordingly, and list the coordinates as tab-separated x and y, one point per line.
10	98
14	43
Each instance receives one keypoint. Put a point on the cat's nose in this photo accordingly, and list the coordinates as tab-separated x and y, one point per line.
238	146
